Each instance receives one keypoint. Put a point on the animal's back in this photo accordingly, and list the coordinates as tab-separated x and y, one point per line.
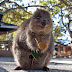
20	49
24	42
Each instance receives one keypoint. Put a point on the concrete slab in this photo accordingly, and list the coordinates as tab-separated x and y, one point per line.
7	64
62	60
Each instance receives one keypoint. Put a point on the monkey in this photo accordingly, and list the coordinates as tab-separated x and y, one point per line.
38	27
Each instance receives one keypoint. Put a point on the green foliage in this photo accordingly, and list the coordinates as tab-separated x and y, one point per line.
63	9
2	37
57	32
16	16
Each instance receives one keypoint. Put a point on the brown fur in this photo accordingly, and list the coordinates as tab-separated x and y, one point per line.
24	41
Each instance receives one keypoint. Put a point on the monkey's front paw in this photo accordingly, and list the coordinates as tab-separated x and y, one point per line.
18	68
39	52
31	57
45	68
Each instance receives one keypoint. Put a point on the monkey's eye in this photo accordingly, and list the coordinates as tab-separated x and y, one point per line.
38	17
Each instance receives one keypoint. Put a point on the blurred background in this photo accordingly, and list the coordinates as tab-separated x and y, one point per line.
14	12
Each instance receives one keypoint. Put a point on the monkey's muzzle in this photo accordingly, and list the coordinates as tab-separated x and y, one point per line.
43	23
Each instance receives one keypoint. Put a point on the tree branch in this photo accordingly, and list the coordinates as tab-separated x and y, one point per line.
64	2
69	23
2	2
7	1
65	25
23	8
18	6
68	5
1	33
59	43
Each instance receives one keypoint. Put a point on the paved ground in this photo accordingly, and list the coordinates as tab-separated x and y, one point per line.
7	64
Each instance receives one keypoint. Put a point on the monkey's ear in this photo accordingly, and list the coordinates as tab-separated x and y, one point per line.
37	9
47	10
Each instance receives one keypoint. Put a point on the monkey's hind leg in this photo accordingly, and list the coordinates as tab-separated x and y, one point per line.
18	68
46	68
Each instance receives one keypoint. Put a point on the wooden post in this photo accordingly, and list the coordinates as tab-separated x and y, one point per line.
1	15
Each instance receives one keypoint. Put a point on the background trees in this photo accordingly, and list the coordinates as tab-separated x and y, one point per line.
15	11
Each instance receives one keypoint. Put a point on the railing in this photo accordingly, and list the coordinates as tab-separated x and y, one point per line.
5	48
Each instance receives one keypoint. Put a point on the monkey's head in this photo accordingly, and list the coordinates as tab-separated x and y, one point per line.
41	22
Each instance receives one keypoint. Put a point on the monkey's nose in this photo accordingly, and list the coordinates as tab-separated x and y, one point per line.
43	22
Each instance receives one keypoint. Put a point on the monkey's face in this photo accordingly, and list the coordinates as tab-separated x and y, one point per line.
41	22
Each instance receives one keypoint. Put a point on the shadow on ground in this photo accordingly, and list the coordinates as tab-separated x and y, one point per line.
51	70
